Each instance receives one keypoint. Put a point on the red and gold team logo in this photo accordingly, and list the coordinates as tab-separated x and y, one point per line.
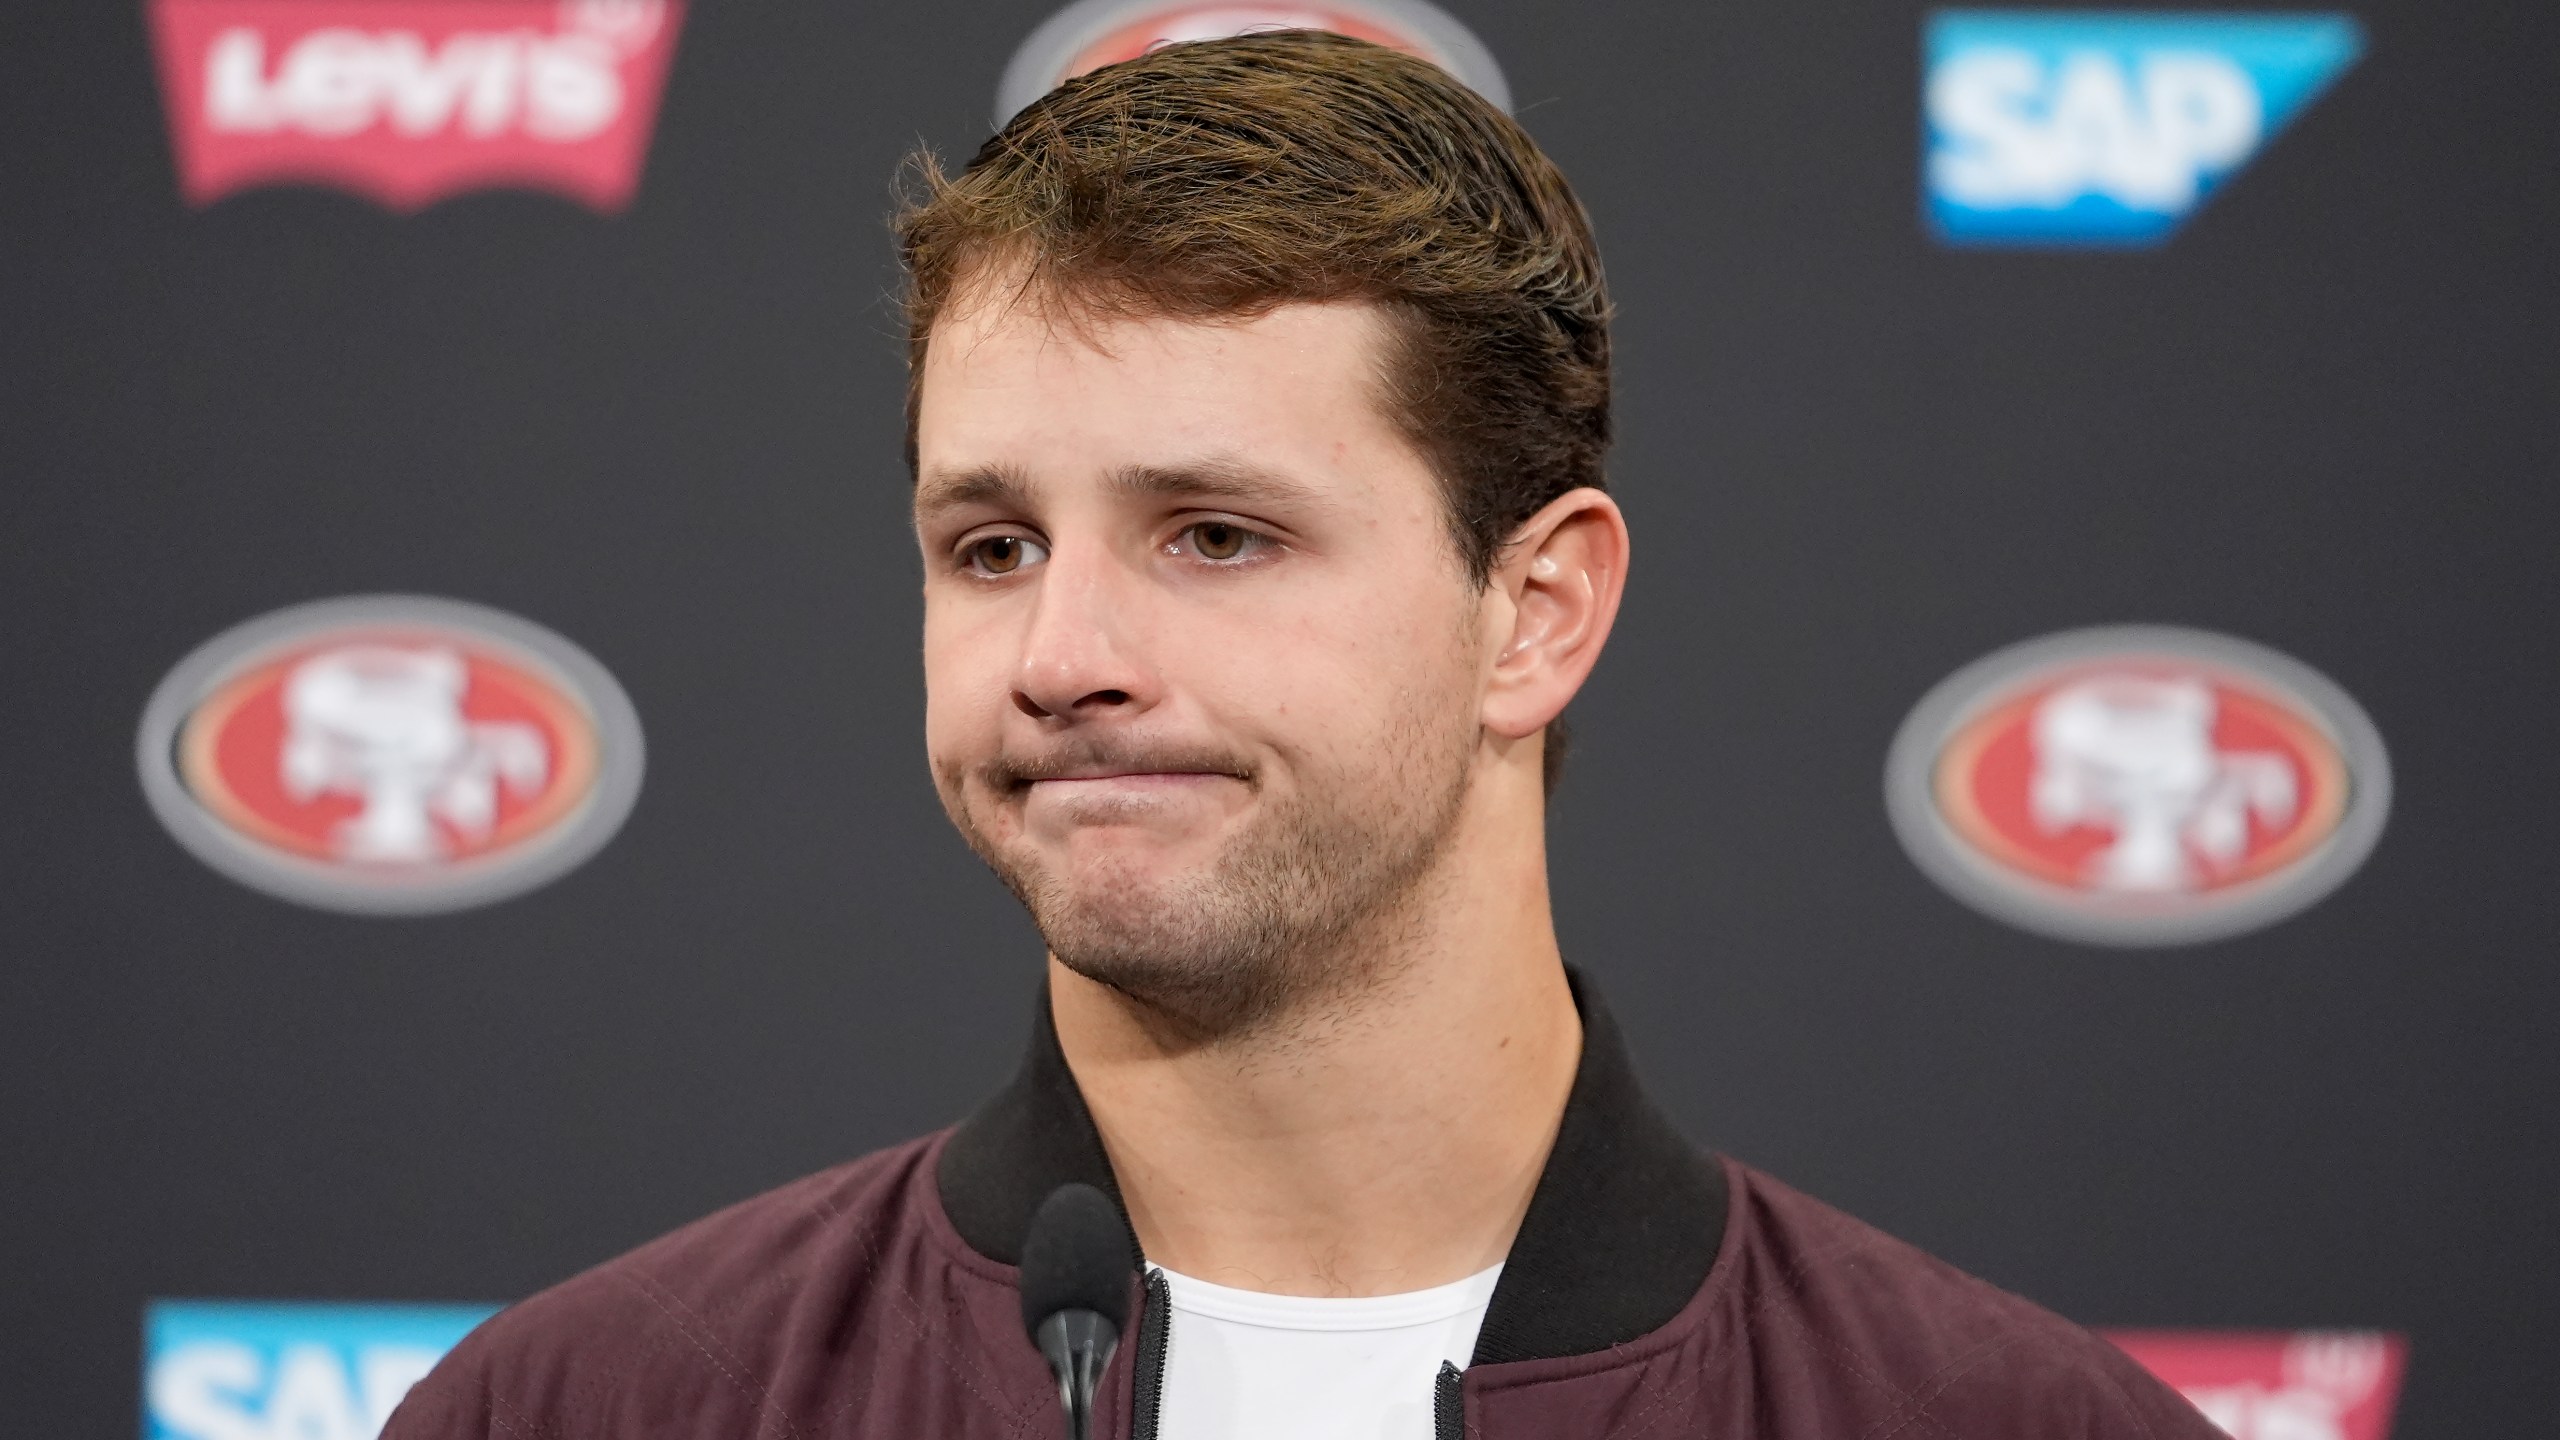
2280	1385
2139	786
1095	33
1171	26
391	754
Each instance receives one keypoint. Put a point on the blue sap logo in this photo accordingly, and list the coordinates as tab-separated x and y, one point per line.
231	1370
2056	127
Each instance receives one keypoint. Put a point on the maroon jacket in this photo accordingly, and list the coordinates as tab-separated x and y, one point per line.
1653	1291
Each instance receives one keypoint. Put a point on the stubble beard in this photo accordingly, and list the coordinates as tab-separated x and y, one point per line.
1302	911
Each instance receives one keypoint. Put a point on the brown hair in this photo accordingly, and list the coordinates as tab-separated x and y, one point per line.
1226	177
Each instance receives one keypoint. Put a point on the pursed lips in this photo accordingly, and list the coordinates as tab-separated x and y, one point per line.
1112	787
1139	778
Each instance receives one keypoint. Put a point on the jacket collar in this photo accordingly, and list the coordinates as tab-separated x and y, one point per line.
1619	1234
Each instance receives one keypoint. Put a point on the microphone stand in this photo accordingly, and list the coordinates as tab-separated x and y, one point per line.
1078	1343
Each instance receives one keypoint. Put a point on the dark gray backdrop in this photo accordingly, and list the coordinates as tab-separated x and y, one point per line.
2321	418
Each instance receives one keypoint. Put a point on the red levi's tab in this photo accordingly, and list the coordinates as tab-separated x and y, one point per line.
408	102
2308	1385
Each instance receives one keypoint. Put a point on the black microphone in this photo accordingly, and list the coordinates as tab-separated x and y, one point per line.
1076	1273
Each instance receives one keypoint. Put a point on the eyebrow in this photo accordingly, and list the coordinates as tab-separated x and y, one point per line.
1217	478
1213	479
1001	486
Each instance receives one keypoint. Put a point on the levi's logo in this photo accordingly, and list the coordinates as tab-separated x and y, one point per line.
410	101
2307	1385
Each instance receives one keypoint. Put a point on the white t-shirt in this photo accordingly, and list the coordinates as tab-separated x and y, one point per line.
1241	1365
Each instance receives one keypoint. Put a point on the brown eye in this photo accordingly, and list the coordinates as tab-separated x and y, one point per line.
1216	541
1004	554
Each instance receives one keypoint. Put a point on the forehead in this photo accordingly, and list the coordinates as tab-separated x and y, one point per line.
1012	383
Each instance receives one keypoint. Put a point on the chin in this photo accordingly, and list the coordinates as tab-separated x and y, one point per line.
1120	936
1121	891
1130	855
1133	905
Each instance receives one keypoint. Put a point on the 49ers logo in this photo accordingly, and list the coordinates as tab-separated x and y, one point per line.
1174	24
2138	786
1094	33
390	754
408	101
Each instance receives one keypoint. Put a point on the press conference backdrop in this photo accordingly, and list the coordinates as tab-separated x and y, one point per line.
2073	781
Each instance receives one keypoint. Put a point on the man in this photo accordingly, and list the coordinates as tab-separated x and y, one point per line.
1259	403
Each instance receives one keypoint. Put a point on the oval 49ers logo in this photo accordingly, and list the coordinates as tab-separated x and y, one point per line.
390	754
2138	786
1094	33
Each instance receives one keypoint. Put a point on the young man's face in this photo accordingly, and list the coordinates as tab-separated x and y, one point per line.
1202	667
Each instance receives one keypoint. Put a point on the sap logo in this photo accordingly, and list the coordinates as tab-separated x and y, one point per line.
224	1370
409	101
2106	128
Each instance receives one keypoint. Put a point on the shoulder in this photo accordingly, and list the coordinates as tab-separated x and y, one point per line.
1880	1323
703	1315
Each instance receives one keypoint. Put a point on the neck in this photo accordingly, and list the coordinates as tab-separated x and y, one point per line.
1390	1142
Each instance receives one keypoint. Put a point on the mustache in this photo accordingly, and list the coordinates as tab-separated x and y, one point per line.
1074	759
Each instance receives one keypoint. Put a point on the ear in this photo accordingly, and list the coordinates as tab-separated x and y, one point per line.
1563	574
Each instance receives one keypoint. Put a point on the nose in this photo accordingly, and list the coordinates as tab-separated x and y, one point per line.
1080	657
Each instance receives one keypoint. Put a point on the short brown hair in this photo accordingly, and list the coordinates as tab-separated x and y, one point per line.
1227	177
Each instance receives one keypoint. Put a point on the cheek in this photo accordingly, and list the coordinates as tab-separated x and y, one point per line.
965	688
1345	684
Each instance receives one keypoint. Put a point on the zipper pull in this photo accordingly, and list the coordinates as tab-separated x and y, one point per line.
1448	1406
1155	1339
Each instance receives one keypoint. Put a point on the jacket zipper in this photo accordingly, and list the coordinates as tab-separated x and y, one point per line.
1146	1381
1448	1406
